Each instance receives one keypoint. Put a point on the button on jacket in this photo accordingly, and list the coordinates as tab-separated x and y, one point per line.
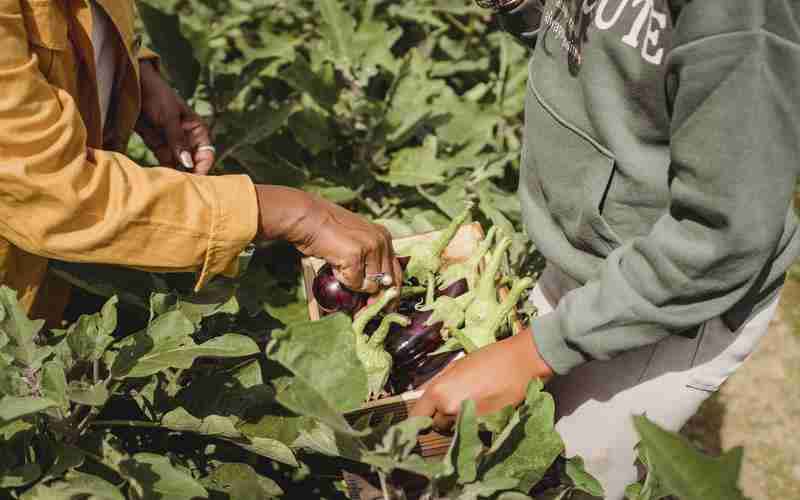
67	191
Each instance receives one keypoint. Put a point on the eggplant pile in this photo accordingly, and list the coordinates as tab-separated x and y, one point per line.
411	333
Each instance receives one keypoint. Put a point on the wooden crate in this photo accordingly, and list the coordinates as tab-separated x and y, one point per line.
431	445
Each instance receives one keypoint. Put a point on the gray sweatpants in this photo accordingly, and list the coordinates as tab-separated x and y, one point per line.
667	381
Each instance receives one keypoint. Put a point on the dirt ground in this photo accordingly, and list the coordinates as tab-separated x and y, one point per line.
759	408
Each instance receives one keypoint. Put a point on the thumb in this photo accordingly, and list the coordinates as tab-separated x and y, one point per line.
176	140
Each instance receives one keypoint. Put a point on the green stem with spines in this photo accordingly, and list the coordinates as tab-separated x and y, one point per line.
379	336
486	288
430	295
365	316
450	231
473	277
495	322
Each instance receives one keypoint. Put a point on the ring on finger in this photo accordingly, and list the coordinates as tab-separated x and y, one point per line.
381	279
207	147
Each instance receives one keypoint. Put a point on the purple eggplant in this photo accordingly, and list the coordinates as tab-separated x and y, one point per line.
457	289
408	345
332	296
429	367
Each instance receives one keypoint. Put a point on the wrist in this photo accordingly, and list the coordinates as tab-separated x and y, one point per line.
282	212
528	356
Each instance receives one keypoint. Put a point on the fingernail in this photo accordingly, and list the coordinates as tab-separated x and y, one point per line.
186	160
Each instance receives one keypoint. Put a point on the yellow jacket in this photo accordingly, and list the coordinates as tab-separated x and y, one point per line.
65	193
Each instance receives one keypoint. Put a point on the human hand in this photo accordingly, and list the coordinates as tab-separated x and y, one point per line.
355	247
494	377
170	128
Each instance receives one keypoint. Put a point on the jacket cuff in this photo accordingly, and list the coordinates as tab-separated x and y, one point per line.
233	227
553	347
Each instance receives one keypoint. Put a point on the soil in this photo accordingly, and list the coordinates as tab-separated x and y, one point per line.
758	408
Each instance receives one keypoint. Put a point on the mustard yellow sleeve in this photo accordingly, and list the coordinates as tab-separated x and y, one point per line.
60	199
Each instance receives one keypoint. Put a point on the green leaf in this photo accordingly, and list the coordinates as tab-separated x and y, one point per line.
311	129
319	83
159	479
337	30
241	482
529	445
415	166
75	485
90	336
582	480
87	394
20	476
259	124
66	458
303	399
323	354
487	488
176	52
20	332
54	383
686	472
466	446
12	408
224	427
167	344
322	439
394	451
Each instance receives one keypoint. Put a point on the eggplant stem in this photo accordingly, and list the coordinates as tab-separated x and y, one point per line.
487	289
379	336
497	320
450	231
365	316
430	296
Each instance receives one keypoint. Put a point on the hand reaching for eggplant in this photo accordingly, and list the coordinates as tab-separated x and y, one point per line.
410	333
356	248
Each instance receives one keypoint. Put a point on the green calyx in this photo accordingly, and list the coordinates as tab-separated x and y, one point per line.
427	258
365	316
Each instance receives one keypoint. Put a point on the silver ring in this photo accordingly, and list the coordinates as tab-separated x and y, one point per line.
381	279
207	147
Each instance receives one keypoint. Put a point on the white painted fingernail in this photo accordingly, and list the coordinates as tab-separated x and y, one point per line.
186	160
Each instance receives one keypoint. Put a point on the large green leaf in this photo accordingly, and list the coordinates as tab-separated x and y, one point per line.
322	353
466	446
684	471
175	50
529	445
167	343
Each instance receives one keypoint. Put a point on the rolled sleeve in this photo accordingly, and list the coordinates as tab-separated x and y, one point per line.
233	227
61	199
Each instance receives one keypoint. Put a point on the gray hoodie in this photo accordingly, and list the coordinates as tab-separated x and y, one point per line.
659	165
